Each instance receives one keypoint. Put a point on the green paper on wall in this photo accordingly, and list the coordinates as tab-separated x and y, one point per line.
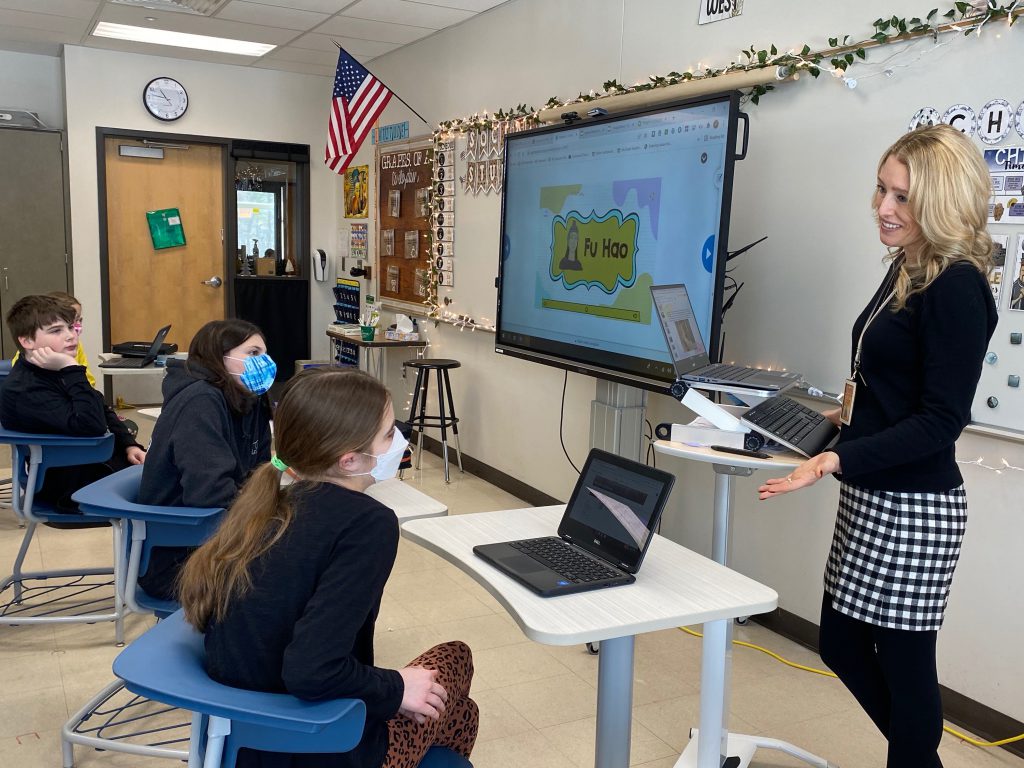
165	228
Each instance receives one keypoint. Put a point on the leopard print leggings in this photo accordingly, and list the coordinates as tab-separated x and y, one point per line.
408	741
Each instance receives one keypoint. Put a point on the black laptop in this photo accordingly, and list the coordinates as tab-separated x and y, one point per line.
140	362
689	354
603	536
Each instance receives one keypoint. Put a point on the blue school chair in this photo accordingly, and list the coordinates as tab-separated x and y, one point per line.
69	595
168	664
103	723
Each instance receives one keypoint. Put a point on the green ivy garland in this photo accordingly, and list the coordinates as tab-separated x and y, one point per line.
837	59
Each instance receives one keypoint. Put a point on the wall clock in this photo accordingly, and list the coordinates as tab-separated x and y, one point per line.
165	98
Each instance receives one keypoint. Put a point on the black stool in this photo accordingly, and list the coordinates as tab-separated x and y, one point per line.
420	419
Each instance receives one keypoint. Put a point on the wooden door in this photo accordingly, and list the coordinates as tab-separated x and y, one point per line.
33	243
149	288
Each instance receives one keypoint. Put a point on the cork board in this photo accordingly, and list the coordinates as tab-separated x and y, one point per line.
403	220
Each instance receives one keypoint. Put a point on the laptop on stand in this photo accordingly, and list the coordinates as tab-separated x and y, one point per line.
602	537
689	353
140	362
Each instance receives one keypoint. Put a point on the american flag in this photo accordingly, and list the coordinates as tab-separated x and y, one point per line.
358	99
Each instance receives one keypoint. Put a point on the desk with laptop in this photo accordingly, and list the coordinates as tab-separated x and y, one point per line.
608	525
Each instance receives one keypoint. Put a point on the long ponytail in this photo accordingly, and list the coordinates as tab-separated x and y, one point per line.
219	570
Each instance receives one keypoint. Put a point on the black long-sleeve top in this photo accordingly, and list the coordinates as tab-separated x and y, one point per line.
306	626
35	399
42	401
920	369
202	451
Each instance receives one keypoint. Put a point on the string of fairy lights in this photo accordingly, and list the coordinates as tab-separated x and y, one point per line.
925	35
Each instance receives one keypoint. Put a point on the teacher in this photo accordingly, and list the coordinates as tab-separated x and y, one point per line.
918	348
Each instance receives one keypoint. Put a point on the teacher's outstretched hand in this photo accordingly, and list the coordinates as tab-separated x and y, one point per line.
808	473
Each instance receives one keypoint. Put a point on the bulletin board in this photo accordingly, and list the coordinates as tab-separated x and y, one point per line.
403	220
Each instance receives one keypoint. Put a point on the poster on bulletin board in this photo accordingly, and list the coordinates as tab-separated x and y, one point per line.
403	205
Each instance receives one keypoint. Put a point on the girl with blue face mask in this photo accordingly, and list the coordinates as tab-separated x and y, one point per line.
288	590
213	431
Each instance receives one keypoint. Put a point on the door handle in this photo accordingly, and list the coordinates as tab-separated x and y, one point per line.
213	282
7	286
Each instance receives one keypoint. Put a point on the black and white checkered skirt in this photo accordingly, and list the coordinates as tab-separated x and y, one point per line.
893	555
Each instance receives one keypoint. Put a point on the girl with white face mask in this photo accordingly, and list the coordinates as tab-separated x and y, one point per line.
288	589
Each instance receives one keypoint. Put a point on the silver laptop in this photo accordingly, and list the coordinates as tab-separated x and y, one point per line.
689	354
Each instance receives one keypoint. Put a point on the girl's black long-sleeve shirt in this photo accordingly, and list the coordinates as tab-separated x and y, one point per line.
919	371
306	626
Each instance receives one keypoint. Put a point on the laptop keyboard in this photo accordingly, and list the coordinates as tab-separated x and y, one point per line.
784	418
731	372
564	560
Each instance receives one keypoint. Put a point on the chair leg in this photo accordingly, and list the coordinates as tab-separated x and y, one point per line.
442	421
17	573
195	757
455	421
117	533
422	416
217	730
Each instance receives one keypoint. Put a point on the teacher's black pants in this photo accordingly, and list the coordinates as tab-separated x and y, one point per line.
891	673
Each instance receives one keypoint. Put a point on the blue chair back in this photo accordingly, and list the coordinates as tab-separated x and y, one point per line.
149	526
35	453
168	664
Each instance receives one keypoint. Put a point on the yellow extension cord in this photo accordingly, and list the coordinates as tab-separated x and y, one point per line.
826	673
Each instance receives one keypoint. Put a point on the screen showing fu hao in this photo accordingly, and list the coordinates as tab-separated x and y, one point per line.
593	214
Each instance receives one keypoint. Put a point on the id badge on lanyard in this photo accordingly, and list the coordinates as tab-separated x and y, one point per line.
849	393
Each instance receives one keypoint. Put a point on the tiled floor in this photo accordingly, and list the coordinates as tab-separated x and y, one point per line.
537	702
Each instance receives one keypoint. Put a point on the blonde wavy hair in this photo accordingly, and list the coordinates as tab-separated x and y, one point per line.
948	198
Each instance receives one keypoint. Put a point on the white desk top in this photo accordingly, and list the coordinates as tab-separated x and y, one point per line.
674	586
408	502
784	460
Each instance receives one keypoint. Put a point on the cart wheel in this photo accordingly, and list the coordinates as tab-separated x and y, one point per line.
742	620
594	648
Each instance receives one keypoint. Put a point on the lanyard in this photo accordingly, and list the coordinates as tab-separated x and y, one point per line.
882	304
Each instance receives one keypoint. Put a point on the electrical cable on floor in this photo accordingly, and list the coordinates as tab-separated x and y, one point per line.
827	673
561	417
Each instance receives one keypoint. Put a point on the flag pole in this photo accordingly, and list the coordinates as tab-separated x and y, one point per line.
389	88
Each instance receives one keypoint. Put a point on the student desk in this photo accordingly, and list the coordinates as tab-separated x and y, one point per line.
726	467
378	346
409	503
674	587
108	374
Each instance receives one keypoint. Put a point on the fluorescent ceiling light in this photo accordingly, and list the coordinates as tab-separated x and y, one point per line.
181	39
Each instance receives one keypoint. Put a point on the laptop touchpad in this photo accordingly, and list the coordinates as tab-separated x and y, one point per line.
522	564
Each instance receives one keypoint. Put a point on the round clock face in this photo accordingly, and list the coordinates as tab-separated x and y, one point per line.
165	98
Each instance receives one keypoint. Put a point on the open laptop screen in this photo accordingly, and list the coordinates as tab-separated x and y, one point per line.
615	508
675	313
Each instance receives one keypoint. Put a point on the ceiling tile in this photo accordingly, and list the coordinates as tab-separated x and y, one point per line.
358	48
304	56
320	6
78	9
270	15
477	6
294	66
63	25
195	25
380	31
406	12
